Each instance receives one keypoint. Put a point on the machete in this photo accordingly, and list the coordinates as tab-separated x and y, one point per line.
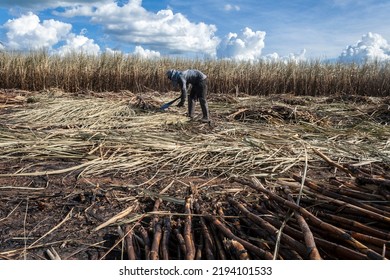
166	105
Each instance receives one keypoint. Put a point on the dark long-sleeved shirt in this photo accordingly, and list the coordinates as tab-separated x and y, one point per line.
182	78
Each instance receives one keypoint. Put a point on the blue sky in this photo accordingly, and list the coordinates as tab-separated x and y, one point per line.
246	29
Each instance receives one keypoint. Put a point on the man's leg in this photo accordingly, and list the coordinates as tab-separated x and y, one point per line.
203	103
191	107
205	109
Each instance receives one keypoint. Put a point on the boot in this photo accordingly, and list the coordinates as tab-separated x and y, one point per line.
205	110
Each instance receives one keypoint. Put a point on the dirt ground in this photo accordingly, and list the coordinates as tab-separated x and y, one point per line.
57	202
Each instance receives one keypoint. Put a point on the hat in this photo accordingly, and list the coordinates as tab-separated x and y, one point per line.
170	73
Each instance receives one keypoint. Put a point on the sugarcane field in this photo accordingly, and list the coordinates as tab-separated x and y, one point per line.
281	171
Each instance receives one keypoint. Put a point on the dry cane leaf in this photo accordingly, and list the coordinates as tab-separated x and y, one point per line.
118	216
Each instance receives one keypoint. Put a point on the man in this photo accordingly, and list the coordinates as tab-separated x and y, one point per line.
198	81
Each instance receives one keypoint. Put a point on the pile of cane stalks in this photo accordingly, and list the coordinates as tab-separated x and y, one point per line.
325	222
274	177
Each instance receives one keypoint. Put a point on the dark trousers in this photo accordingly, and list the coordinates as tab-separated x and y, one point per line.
198	92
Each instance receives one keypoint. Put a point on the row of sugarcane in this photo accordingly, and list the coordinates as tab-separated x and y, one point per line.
326	222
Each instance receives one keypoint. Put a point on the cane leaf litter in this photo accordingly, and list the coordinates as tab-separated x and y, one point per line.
110	176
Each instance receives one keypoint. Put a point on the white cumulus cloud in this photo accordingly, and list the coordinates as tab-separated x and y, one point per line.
245	46
128	23
145	53
44	4
113	51
371	47
132	24
292	57
77	44
29	33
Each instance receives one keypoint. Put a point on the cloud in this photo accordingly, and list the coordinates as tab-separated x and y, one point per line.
139	51
113	51
371	47
230	7
130	23
44	4
77	44
28	33
292	57
148	54
246	46
249	45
